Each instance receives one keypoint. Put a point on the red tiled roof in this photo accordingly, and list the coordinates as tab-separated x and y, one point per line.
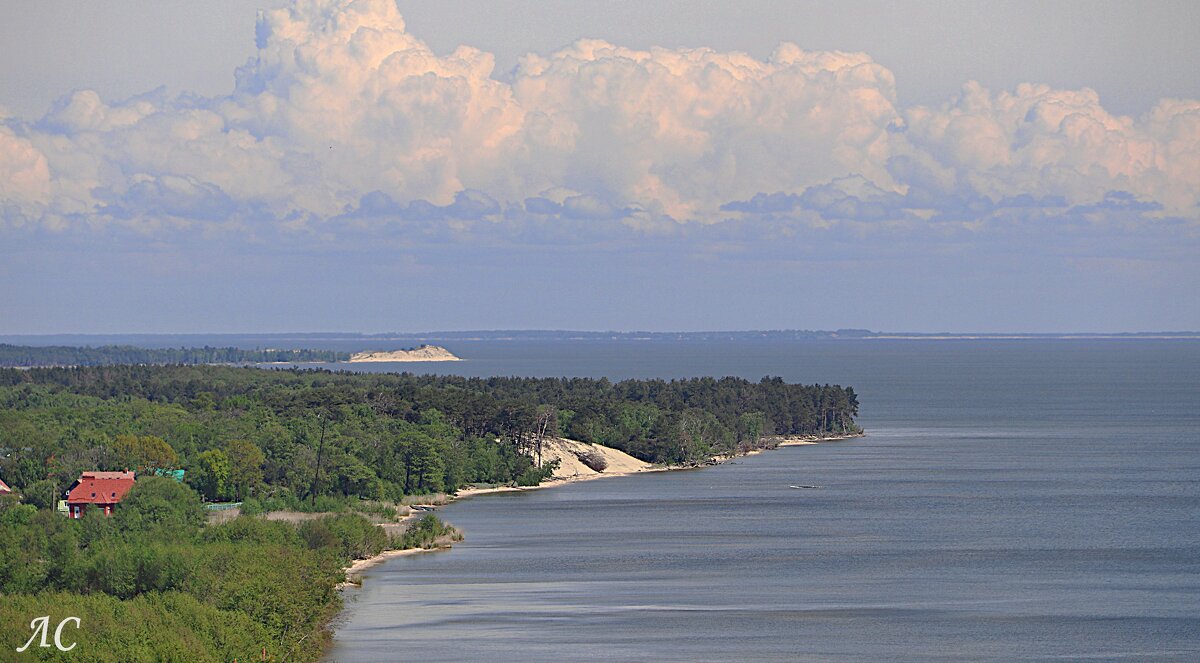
106	475
100	490
4	489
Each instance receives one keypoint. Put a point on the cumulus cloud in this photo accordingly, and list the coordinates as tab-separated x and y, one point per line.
343	114
1042	141
24	170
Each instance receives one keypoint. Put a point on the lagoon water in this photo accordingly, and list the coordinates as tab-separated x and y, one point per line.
1014	500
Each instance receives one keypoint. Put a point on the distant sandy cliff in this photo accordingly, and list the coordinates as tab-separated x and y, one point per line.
580	460
422	353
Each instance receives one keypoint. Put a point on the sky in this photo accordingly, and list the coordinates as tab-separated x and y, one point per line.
372	165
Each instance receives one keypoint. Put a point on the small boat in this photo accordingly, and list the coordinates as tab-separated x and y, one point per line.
802	487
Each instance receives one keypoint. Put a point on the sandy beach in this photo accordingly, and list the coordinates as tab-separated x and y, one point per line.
802	440
360	565
572	468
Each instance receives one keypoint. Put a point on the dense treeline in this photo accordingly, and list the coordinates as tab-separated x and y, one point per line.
107	355
152	583
297	435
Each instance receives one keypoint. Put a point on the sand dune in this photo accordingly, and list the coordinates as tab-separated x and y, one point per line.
571	467
422	353
570	454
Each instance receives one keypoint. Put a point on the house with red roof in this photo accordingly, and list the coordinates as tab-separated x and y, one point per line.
102	490
4	489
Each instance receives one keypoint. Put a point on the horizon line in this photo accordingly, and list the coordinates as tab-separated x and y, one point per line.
840	332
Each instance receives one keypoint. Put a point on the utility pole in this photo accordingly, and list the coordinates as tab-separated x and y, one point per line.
320	450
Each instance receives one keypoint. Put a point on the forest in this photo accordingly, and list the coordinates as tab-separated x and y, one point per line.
153	582
158	581
107	355
291	436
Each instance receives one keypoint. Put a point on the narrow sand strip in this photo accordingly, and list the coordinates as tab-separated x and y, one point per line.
572	468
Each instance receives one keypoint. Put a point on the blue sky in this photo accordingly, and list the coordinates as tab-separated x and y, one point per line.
363	166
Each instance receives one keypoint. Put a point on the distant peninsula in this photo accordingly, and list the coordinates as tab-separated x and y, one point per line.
419	353
24	356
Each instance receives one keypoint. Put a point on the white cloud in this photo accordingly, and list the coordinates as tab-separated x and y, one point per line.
1041	141
24	170
343	110
683	131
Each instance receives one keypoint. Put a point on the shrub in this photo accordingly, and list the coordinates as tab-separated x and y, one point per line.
349	535
158	503
428	532
593	459
155	627
252	530
252	507
42	494
535	475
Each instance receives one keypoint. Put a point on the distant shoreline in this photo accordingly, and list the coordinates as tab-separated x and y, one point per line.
67	350
299	339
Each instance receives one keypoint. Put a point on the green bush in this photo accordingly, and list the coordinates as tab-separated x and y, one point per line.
159	504
216	593
252	530
42	494
150	628
536	475
427	532
350	536
252	507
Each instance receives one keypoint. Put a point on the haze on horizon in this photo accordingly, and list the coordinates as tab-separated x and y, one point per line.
351	164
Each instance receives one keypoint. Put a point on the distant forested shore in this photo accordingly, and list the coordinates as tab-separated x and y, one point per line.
252	433
12	356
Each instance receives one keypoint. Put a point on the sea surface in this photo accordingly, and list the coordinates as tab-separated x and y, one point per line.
1033	500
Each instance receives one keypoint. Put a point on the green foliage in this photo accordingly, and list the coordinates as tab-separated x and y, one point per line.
157	504
295	439
10	501
245	467
255	531
210	474
144	453
752	426
43	494
172	627
353	536
534	475
252	507
226	590
427	532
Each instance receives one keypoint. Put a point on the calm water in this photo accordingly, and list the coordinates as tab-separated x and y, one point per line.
1029	500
